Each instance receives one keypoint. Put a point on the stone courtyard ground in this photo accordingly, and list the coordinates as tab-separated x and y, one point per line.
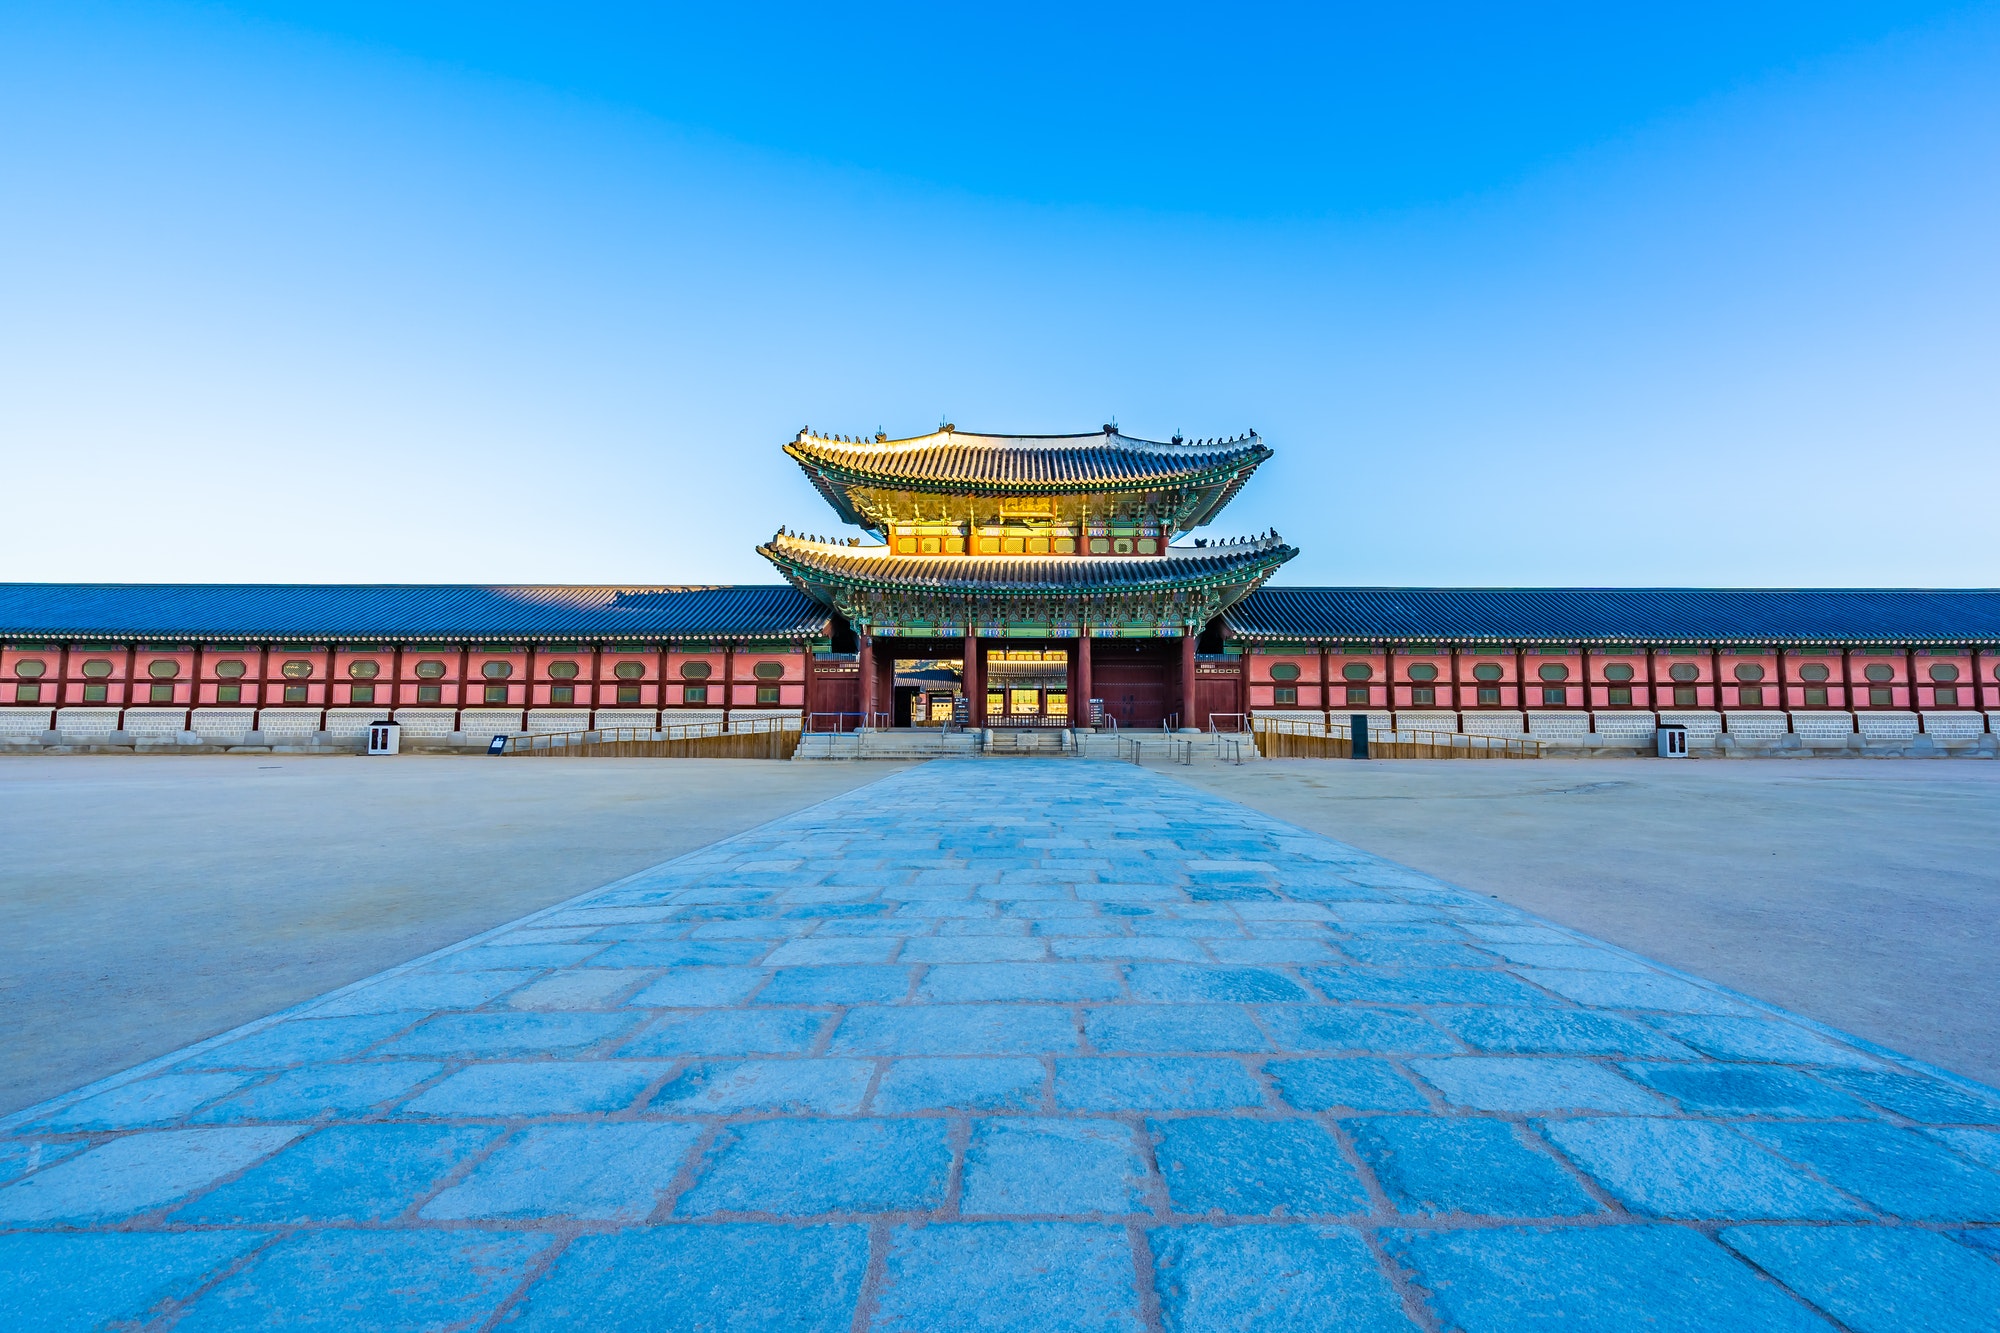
150	901
1034	1044
1864	893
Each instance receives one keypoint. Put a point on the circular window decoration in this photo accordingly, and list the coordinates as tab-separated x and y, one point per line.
297	669
1284	671
1684	671
1944	671
30	668
364	670
1487	671
431	669
97	668
1813	671
1749	672
1618	671
163	670
1552	671
1357	671
1423	671
230	669
689	670
1879	673
497	670
769	671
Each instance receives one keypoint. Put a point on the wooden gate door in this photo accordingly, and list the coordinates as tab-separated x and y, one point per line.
1215	691
1131	677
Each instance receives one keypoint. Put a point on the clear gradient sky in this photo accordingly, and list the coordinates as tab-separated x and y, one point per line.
1700	293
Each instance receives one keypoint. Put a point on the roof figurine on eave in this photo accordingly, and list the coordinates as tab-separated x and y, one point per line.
951	474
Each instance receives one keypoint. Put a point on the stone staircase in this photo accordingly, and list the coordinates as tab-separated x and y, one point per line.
1028	740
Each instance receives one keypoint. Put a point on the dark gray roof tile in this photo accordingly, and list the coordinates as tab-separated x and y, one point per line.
378	611
1622	615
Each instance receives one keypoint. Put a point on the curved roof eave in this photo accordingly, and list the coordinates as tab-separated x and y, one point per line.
950	462
872	569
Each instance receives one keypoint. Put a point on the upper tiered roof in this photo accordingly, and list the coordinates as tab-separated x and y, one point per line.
876	482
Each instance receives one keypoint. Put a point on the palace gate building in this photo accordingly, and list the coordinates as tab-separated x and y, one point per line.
1005	581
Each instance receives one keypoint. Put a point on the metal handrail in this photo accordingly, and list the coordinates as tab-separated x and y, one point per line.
880	721
1215	726
1180	749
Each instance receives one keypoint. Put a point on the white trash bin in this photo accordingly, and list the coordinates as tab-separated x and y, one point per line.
385	738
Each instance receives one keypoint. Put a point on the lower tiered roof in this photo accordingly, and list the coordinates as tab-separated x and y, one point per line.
874	586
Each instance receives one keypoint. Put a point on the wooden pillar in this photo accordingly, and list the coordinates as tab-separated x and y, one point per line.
1785	689
660	652
1847	689
1079	708
728	680
972	680
1389	675
1910	657
194	687
332	661
131	679
866	663
1457	702
1589	707
1325	687
1187	679
1715	669
885	682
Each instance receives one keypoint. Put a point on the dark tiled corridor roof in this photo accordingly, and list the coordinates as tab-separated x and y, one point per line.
169	611
1623	615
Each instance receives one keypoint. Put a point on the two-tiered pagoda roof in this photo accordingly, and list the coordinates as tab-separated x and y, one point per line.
1027	535
875	483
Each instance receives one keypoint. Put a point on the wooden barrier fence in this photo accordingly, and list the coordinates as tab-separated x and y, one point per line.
757	738
1278	738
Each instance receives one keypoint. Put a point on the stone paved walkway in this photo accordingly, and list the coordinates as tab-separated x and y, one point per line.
1019	1045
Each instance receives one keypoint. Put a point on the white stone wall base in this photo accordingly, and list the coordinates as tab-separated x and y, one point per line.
1495	722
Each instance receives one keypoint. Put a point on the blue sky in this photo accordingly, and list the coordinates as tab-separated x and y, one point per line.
1534	294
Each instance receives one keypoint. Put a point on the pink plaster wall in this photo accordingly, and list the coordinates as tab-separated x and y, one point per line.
712	686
